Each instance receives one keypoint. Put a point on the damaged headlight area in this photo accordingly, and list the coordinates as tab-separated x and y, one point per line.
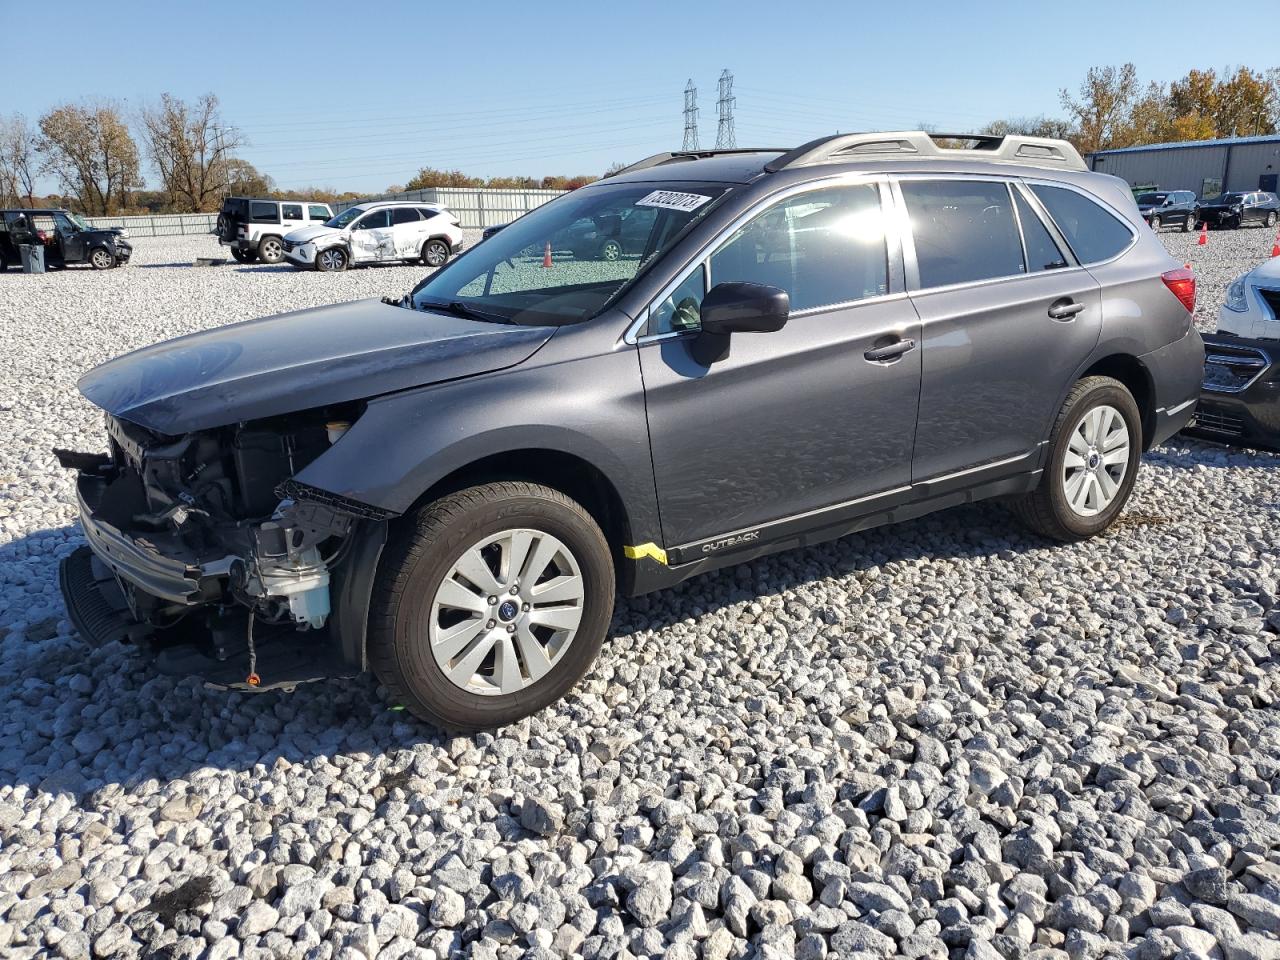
205	534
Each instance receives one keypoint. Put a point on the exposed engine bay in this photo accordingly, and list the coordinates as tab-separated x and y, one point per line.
208	531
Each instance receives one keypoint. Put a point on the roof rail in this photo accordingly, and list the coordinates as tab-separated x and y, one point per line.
917	144
658	159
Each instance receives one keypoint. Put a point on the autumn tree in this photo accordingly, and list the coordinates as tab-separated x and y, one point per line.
88	147
1101	109
18	160
1041	126
1246	104
431	177
243	179
190	145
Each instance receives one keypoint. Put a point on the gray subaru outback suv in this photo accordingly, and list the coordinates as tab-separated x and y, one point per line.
450	489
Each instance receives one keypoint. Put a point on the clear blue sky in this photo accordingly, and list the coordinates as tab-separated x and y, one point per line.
362	94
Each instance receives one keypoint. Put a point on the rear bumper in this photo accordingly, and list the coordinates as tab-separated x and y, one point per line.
1240	400
1176	372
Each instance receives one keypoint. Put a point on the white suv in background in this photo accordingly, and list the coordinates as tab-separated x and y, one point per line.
377	232
254	229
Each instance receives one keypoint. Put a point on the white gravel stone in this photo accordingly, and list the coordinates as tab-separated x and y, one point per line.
942	738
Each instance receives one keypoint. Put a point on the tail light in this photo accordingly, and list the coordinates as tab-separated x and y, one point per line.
1182	284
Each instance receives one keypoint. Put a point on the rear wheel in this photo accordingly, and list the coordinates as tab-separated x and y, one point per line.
102	259
242	256
1189	224
490	604
270	250
1155	223
611	250
1093	462
332	260
435	253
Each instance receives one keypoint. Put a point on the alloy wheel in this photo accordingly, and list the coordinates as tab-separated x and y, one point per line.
436	254
101	259
506	612
332	260
1096	460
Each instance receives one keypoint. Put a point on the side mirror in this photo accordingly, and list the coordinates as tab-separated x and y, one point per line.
737	307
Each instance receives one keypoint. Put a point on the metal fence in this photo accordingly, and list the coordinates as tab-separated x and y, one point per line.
475	206
162	224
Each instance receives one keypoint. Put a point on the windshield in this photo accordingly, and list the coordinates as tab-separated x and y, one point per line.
79	221
344	218
1151	199
567	260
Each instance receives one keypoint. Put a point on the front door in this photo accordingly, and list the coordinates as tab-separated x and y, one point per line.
292	216
817	414
371	237
70	239
1007	319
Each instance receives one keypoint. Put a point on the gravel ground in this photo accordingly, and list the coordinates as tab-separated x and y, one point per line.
941	739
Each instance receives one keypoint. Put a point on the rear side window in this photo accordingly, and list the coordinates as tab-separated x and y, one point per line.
964	231
1093	233
263	212
291	211
404	215
319	212
1042	251
426	214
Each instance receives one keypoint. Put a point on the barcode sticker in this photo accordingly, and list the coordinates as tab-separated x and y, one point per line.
671	200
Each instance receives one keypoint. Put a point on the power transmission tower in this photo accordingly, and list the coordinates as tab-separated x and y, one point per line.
690	116
725	136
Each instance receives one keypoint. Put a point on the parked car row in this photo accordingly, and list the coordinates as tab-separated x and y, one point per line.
309	236
1162	208
63	237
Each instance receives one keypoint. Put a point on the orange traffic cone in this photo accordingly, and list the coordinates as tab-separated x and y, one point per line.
1275	247
546	255
1204	234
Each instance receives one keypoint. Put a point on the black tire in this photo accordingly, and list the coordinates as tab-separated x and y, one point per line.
4	263
333	260
611	250
271	249
1155	223
420	553
435	253
100	258
1271	219
1046	509
243	256
1190	223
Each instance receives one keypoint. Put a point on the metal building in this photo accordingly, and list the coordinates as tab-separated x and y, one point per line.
1206	166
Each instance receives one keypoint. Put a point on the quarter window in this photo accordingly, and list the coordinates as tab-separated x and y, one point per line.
291	211
964	231
319	212
404	215
264	212
1092	232
1042	251
823	247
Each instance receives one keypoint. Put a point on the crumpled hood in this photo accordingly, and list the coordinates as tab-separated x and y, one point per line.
296	361
312	233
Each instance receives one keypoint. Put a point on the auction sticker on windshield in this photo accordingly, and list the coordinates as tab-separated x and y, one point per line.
671	200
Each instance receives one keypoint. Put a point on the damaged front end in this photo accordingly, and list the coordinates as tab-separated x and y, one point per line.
203	548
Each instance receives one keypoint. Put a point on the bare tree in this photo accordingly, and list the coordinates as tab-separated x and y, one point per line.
18	160
1102	109
89	148
244	180
190	147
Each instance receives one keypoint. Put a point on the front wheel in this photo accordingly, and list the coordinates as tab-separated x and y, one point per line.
1271	219
1155	224
611	251
1189	224
1093	461
490	604
102	259
435	253
332	260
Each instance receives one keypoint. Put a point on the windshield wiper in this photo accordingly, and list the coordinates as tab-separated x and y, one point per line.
460	309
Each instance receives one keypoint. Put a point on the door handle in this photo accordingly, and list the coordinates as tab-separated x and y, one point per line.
1064	308
891	352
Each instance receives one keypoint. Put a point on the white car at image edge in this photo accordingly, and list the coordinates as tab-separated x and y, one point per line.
384	231
1252	305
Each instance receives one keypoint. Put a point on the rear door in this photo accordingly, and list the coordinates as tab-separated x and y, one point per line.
74	248
292	216
1007	317
408	231
819	414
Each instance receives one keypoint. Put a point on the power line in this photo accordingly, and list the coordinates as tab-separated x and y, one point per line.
690	116
725	136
